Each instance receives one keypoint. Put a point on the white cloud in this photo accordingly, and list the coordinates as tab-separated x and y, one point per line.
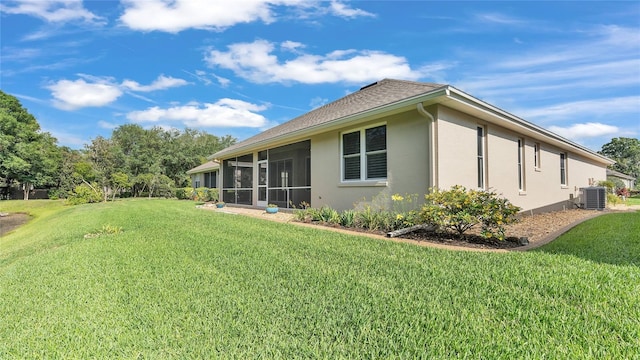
19	54
342	10
501	19
605	57
96	91
587	130
223	113
161	83
56	11
179	15
291	45
71	95
256	62
67	139
107	125
316	102
585	108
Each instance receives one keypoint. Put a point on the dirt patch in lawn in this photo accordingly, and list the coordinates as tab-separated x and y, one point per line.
9	222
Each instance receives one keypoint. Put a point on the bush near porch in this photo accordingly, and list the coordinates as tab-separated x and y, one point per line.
457	209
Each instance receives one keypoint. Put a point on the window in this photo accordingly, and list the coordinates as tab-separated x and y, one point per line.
536	156
563	169
366	150
480	144
210	179
521	165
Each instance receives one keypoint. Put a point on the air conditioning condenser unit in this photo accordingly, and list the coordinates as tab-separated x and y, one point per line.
594	198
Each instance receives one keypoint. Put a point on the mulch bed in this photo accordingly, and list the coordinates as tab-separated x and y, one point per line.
466	240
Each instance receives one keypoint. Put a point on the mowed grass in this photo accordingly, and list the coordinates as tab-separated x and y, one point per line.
180	282
634	200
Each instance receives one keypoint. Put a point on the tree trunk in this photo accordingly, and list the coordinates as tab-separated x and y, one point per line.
26	188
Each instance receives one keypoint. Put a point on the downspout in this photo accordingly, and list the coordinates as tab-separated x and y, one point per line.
433	158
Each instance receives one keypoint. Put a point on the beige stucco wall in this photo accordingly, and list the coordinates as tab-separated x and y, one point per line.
409	154
456	149
457	160
407	164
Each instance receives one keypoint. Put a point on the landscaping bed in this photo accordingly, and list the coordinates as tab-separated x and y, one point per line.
536	228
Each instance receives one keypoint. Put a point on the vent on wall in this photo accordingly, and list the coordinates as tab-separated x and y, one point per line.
594	198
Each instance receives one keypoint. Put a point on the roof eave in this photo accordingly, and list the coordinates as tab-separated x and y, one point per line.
496	115
363	116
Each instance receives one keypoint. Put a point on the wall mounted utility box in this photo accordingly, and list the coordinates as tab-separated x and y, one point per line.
593	198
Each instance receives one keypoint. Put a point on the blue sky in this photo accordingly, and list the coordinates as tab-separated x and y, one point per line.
239	67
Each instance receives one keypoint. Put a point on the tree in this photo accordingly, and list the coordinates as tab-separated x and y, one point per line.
27	156
66	181
84	172
119	181
105	158
154	182
170	152
626	153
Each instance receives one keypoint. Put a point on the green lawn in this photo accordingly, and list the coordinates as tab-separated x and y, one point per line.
180	282
635	200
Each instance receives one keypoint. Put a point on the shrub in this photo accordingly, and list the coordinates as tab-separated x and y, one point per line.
459	209
326	214
347	218
302	215
183	193
613	199
624	192
200	194
85	193
55	194
609	184
404	211
372	219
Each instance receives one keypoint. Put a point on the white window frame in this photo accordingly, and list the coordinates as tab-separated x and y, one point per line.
522	187
363	156
481	144
536	156
564	173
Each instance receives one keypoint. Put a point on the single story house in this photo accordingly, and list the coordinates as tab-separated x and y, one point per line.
404	137
628	181
205	175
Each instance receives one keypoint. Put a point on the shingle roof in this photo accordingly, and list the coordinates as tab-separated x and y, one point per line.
379	94
619	174
209	165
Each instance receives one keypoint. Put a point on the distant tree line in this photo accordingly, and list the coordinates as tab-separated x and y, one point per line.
133	162
626	153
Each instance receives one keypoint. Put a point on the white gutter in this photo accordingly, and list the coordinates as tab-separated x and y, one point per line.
523	126
433	158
